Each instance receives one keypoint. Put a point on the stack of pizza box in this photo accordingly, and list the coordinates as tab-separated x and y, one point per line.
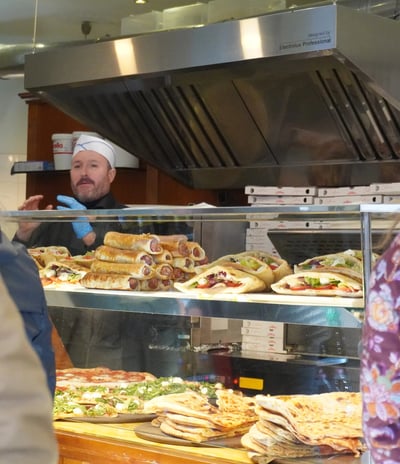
259	225
263	337
257	232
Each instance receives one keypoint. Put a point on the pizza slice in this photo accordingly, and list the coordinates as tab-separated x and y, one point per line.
222	279
316	283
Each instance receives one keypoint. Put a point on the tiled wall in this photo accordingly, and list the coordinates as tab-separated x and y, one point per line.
13	141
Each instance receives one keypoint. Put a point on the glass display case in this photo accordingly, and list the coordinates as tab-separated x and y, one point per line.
313	343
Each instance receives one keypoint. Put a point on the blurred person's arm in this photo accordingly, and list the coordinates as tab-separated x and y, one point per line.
380	359
26	427
25	229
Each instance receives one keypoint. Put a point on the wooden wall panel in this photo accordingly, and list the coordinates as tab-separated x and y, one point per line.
145	185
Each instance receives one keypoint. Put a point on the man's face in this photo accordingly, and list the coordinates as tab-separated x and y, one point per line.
91	176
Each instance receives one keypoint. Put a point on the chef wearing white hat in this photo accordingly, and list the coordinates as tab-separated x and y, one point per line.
96	144
91	175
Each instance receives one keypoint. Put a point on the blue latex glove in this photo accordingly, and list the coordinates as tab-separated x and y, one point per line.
82	227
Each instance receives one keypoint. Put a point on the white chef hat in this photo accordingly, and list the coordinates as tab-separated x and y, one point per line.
97	144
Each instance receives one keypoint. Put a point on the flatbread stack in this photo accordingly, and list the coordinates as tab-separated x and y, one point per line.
142	262
191	417
306	425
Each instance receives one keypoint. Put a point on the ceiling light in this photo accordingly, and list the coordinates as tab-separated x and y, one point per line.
140	2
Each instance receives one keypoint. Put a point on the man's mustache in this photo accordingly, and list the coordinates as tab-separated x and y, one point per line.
85	180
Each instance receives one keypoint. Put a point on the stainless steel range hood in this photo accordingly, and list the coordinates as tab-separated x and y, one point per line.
299	97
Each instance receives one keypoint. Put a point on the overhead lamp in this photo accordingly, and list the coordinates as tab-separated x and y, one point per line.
140	2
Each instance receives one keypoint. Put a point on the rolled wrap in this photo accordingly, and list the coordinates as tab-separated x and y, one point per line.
146	242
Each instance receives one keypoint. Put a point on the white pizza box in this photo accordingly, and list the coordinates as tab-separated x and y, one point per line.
279	200
391	199
261	324
393	187
262	217
277	190
259	227
276	343
256	232
273	331
258	239
257	242
265	347
266	246
279	357
349	200
345	191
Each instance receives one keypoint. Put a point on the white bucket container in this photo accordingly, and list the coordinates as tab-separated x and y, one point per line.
62	151
77	134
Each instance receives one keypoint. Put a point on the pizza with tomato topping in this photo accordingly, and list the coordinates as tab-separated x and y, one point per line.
105	395
319	284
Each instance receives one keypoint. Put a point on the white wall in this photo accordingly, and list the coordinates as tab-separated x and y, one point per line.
13	143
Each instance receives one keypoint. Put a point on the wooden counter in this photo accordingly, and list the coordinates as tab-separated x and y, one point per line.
81	443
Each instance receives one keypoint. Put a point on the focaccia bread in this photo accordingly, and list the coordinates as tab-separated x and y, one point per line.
306	425
138	270
222	279
145	242
316	283
116	255
101	281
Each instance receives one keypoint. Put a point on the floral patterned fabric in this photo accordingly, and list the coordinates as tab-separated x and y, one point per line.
380	359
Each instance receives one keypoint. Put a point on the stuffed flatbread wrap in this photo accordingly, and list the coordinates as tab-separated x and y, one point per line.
58	272
316	283
280	267
245	263
222	279
334	262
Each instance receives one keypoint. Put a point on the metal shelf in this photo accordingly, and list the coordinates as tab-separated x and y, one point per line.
322	311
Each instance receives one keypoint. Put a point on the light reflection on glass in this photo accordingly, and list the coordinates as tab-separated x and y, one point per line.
250	38
125	55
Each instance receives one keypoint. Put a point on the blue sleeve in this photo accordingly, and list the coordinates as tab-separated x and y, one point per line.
21	278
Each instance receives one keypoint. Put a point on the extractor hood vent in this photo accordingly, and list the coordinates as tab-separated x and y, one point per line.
304	97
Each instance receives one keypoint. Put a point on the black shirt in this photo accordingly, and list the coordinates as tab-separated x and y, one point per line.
62	233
